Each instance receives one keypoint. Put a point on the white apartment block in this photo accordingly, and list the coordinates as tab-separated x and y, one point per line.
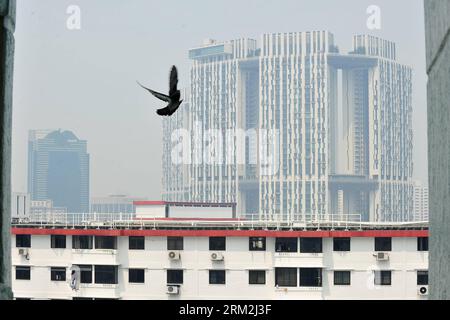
217	259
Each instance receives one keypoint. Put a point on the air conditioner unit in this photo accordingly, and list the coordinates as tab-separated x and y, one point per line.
216	256
422	290
174	255
381	256
24	252
173	290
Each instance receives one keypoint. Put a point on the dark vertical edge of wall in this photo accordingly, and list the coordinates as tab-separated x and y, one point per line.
437	30
7	18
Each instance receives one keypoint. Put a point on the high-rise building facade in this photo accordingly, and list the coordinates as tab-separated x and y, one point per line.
58	169
340	126
420	202
175	180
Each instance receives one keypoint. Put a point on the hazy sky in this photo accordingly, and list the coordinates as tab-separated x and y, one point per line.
85	80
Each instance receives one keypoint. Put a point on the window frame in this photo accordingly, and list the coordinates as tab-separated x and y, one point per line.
381	278
55	239
136	273
25	270
175	243
217	243
256	276
254	240
278	245
23	238
97	273
293	273
136	241
342	281
174	273
336	245
103	243
53	272
311	284
76	239
306	242
219	273
422	242
379	245
86	271
421	274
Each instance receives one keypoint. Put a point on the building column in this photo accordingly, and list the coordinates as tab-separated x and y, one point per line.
7	18
437	25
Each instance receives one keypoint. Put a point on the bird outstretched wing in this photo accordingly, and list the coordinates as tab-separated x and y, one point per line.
173	81
158	95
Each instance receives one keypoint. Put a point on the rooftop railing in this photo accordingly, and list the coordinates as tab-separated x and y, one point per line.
247	221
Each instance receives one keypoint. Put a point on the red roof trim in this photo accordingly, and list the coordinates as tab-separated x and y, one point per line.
225	233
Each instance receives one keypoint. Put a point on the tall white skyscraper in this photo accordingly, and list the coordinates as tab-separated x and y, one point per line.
340	126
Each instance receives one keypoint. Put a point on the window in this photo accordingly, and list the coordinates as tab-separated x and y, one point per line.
422	278
58	241
286	244
342	278
422	244
174	276
257	244
82	242
136	275
383	244
286	277
383	278
106	274
310	277
216	276
311	245
217	243
58	274
23	241
174	243
257	277
85	273
136	243
105	242
23	273
341	244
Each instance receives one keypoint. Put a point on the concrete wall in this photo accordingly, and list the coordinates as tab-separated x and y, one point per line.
437	24
7	22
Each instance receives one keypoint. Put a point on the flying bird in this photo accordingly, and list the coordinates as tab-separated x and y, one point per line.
173	99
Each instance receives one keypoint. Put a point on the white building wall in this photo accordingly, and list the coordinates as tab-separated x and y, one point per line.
404	262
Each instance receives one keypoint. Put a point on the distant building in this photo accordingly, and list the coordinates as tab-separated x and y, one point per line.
184	210
58	169
20	204
45	207
113	204
176	174
420	202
